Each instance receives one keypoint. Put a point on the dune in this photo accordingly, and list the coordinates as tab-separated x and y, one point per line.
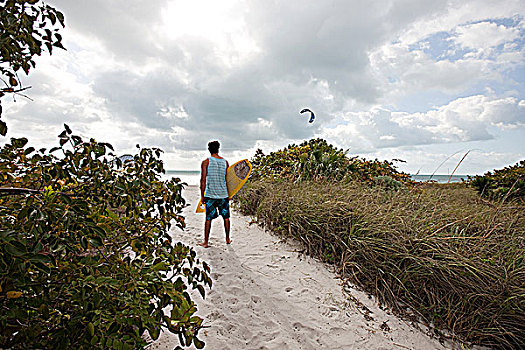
268	295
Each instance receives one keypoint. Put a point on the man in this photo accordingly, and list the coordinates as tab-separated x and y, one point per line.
214	193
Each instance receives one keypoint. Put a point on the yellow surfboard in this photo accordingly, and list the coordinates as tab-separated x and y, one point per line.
236	176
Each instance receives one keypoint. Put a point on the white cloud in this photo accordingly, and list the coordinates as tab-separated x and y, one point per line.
404	71
484	35
176	74
454	13
221	24
462	120
425	160
466	119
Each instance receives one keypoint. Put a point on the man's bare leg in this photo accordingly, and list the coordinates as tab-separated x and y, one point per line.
227	230
207	226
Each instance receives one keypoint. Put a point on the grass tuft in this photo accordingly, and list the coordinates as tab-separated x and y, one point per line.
455	260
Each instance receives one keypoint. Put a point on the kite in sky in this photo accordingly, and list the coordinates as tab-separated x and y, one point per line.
312	115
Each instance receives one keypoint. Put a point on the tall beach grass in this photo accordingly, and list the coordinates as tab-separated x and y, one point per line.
437	252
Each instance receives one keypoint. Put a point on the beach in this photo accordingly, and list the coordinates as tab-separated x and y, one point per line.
266	294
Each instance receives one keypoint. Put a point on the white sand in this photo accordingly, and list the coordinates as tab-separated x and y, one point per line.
266	295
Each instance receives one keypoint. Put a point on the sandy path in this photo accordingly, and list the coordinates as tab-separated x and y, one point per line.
267	296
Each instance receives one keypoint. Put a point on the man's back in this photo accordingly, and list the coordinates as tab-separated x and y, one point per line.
214	192
216	178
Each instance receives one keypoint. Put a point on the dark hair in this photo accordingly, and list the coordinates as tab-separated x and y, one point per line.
213	147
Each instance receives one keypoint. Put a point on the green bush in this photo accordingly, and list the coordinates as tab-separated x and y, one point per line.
388	183
317	160
28	28
508	182
86	260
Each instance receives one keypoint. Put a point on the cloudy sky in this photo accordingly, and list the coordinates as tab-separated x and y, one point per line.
423	81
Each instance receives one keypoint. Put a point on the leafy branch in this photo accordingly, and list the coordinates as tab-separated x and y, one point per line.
72	263
28	27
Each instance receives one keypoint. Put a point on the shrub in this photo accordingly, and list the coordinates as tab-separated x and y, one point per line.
86	260
508	182
388	183
317	160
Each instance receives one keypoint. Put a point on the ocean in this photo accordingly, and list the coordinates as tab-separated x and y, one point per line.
192	177
439	178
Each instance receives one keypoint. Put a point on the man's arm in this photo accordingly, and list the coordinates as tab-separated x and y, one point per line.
204	172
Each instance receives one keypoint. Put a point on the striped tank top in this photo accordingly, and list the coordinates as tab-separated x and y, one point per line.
216	179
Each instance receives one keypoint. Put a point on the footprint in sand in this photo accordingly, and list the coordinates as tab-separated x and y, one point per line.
247	309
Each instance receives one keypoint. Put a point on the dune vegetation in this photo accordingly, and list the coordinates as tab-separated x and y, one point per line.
86	257
437	253
501	183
